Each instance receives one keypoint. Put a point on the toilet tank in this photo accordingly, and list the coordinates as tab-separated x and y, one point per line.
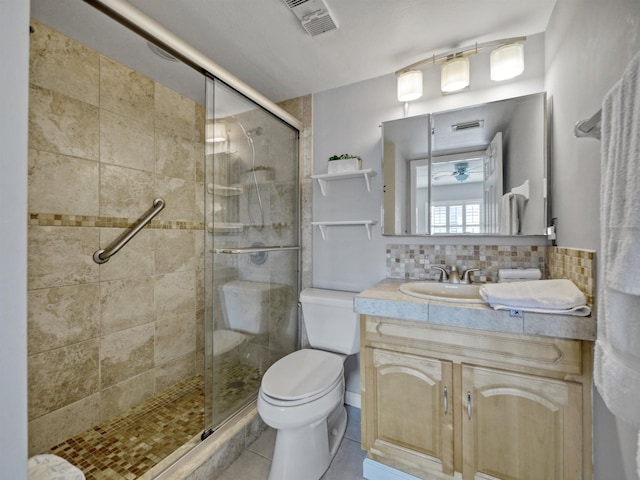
247	305
330	320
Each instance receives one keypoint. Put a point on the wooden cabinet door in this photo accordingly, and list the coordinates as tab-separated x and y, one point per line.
520	427
408	415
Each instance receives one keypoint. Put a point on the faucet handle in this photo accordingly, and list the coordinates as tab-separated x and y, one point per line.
444	275
466	277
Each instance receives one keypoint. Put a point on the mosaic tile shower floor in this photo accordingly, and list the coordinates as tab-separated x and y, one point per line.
126	447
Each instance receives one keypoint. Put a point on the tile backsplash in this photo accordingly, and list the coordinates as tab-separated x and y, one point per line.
414	262
579	266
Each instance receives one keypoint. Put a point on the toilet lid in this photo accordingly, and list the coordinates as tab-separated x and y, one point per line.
302	374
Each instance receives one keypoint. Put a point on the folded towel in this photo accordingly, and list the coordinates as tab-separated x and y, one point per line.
542	296
506	274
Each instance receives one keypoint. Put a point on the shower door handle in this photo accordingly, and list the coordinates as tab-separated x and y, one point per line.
236	251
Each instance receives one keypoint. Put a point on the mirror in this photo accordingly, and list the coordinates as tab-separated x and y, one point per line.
478	170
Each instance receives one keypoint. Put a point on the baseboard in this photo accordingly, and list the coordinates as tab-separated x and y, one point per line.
372	470
353	399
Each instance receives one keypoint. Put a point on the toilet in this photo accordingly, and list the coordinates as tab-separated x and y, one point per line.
302	394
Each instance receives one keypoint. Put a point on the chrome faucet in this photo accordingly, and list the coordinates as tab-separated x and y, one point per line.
454	276
444	277
466	277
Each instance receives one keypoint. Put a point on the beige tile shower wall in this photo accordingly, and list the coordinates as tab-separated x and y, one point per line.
302	109
104	142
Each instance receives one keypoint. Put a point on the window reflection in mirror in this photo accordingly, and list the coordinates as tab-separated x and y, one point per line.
456	172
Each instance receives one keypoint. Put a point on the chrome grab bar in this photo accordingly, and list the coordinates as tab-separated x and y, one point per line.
102	256
235	251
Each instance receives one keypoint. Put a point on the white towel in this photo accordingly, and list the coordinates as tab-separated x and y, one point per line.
617	352
559	296
519	274
509	220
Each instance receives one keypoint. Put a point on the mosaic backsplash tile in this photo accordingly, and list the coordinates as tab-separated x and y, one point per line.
579	266
414	262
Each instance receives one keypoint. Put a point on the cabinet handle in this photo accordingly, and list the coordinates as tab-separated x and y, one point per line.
446	401
469	405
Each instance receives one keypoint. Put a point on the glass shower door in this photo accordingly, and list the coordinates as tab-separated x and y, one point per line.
251	264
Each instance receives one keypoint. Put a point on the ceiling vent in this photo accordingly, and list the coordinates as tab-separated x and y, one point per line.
313	14
467	125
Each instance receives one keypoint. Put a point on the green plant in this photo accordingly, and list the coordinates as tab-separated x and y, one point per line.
343	157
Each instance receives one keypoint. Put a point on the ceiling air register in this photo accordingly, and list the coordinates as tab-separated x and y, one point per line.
313	14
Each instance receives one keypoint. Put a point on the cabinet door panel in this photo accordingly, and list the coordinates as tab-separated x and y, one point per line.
408	404
521	427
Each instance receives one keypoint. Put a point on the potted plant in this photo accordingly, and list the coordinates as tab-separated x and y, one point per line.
344	163
259	174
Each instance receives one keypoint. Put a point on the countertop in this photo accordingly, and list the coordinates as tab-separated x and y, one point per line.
384	300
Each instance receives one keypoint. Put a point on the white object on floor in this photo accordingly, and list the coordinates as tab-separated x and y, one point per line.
372	470
519	274
52	467
617	358
559	296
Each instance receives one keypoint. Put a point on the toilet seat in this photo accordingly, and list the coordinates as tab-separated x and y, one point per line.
302	377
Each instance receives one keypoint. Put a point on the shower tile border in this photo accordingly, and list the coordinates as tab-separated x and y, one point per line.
59	220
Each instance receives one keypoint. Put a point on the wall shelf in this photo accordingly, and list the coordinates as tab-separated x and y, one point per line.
323	178
224	190
323	226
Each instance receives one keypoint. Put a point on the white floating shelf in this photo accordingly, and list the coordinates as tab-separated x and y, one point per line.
323	178
324	225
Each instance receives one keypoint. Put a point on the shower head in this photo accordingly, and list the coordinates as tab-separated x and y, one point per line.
254	132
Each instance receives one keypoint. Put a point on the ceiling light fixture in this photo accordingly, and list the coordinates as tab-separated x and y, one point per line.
454	75
409	85
507	61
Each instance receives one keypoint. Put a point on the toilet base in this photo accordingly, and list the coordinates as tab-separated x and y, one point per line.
307	452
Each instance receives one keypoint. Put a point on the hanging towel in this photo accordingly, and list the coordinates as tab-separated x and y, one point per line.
559	297
617	351
509	221
518	274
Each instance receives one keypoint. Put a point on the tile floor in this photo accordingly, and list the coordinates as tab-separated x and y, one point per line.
255	462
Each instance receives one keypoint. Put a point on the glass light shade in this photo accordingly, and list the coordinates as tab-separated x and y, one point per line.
507	61
409	85
454	75
216	132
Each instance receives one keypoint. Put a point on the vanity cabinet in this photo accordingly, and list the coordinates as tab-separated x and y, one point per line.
440	402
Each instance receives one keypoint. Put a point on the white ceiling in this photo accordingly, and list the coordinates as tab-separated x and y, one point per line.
263	43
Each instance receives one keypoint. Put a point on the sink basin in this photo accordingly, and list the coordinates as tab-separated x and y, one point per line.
444	292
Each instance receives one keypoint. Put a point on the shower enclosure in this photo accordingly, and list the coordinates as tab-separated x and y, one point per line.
132	361
251	248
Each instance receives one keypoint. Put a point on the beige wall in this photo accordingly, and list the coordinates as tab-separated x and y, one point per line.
104	141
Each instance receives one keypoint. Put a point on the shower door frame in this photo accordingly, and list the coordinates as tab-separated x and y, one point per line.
214	86
145	26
